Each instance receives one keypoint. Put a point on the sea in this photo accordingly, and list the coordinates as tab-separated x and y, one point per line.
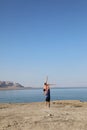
36	95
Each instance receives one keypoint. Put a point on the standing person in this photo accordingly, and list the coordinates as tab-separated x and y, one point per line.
46	90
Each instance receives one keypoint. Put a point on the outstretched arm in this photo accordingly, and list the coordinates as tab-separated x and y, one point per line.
50	84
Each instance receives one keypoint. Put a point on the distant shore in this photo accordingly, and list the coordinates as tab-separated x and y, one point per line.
62	115
24	88
15	88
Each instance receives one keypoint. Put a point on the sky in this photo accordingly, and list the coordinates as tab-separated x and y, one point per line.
40	38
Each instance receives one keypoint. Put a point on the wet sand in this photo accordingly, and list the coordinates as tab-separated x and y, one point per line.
62	115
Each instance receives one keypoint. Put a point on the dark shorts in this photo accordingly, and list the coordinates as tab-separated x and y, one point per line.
48	99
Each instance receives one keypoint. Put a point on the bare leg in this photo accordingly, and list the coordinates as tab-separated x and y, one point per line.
46	104
49	104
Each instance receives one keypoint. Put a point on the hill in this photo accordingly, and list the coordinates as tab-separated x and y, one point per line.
10	85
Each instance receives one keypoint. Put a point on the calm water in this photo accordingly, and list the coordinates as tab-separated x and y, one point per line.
36	95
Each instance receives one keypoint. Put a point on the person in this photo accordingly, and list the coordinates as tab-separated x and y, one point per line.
46	90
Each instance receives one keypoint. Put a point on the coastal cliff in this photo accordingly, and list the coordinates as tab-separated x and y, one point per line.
10	85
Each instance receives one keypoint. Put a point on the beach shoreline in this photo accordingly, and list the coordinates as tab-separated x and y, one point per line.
62	115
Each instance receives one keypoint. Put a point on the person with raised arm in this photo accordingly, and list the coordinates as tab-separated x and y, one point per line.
46	90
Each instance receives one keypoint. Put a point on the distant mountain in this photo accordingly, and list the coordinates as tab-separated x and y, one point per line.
11	85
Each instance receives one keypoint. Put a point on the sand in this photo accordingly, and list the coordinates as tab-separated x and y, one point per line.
62	115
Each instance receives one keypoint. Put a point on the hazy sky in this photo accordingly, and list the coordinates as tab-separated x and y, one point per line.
43	37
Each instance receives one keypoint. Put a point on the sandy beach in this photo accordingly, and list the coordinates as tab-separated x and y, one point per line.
62	115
